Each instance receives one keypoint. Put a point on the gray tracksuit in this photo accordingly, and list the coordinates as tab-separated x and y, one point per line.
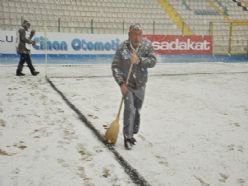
134	98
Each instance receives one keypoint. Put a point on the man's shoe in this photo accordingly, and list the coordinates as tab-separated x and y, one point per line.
128	144
35	73
20	74
133	140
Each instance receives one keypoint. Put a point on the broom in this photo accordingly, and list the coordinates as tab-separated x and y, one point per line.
112	132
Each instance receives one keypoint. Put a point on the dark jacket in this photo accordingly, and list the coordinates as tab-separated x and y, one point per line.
121	63
23	40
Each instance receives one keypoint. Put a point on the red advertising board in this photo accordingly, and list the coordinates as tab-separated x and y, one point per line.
173	44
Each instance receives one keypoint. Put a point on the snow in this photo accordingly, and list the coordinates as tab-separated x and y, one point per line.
194	126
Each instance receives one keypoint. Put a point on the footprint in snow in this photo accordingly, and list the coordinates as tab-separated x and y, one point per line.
2	123
85	155
223	178
202	182
162	160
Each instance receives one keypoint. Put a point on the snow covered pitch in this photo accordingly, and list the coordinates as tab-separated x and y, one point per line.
194	127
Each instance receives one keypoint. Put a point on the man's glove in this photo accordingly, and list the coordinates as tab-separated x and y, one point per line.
32	33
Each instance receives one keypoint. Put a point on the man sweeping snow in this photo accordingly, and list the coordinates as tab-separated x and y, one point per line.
139	52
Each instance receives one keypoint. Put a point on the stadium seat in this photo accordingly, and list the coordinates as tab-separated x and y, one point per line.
108	11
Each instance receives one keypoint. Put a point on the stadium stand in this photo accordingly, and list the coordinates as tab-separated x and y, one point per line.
224	20
107	16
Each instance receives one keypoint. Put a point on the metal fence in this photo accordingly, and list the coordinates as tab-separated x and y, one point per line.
229	37
91	26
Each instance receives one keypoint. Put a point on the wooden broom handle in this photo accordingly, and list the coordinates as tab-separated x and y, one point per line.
128	76
127	81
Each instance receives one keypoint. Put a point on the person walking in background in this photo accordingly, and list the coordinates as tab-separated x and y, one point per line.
24	48
139	52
